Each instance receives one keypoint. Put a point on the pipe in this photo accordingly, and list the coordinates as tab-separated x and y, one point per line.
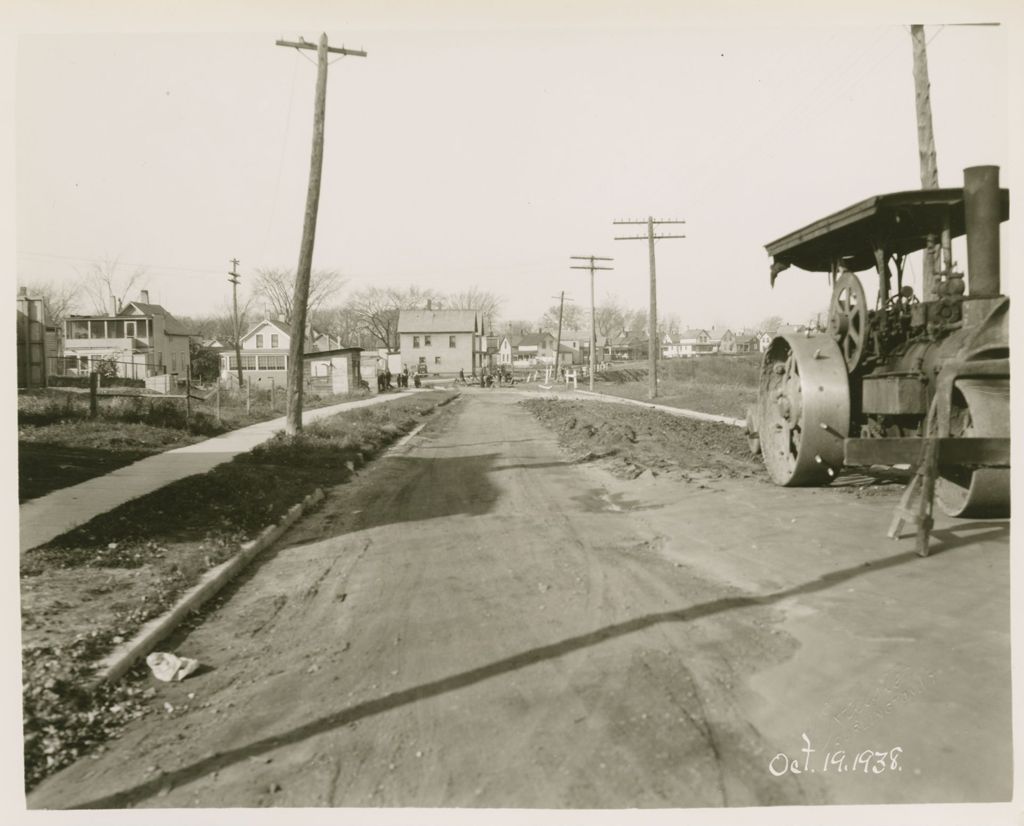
981	218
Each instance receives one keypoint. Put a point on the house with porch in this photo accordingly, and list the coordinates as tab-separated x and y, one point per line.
265	352
142	339
695	342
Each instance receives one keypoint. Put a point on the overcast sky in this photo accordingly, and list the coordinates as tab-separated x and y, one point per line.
482	149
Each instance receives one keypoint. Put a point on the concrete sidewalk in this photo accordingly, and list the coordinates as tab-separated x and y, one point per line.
56	513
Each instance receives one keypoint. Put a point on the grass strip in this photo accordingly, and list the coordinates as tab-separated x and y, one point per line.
95	586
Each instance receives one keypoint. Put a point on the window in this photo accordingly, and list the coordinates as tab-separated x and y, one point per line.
426	341
97	329
273	340
78	329
248	362
437	359
129	329
451	341
271	362
415	341
259	342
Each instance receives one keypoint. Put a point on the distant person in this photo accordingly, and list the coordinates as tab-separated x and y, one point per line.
462	375
380	382
387	378
405	375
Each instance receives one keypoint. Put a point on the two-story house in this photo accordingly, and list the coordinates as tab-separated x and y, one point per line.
264	351
695	342
724	340
440	341
141	339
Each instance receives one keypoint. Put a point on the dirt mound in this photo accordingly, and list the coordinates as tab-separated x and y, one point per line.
632	440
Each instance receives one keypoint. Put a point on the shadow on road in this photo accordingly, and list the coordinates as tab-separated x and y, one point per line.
454	682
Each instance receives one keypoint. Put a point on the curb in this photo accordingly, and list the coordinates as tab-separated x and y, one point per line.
116	664
672	411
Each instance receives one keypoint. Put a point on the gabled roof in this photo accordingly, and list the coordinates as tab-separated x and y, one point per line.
535	339
171	325
692	333
437	321
277	324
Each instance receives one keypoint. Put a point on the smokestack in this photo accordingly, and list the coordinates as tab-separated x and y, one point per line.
144	296
981	220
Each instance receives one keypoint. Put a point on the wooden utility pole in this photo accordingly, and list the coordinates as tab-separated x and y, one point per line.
593	327
653	345
558	339
233	278
925	146
301	295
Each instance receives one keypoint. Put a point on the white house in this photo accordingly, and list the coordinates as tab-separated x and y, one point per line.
440	341
264	350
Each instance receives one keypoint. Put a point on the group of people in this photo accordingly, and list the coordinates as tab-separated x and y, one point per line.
491	377
384	379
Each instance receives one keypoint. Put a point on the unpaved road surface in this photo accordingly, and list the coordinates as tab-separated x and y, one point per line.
476	620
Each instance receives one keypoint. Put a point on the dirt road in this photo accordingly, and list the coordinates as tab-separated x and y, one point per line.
477	621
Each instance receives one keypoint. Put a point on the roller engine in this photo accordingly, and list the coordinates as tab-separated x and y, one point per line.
865	390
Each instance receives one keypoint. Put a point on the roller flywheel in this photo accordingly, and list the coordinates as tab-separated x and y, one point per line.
981	407
803	409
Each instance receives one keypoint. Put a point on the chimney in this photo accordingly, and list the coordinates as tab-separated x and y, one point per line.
144	296
113	305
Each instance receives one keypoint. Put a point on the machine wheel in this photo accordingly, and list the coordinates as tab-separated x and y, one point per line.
803	409
848	318
981	407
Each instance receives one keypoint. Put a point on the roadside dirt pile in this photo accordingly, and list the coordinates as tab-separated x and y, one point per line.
631	441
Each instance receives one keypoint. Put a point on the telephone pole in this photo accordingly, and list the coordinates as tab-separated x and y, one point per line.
593	328
926	148
558	340
233	278
653	345
301	295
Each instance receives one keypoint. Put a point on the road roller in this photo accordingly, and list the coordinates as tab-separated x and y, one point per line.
865	390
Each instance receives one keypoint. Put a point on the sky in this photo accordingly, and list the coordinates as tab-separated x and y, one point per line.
481	148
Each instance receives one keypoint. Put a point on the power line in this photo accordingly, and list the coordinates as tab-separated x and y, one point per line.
653	344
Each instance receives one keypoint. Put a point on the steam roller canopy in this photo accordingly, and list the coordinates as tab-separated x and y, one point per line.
803	409
981	407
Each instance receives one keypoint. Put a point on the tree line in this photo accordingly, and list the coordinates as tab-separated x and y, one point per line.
366	317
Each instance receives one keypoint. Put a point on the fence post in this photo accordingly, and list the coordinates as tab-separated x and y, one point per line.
188	393
216	401
248	397
273	400
94	386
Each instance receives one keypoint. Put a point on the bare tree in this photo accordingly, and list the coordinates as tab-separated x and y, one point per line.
572	317
277	288
60	297
377	309
106	280
771	324
486	303
609	317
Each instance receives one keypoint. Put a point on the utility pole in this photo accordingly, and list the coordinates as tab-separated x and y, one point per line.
301	295
558	340
653	345
233	278
593	328
926	149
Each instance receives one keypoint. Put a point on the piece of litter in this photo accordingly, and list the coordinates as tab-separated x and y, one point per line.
168	667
